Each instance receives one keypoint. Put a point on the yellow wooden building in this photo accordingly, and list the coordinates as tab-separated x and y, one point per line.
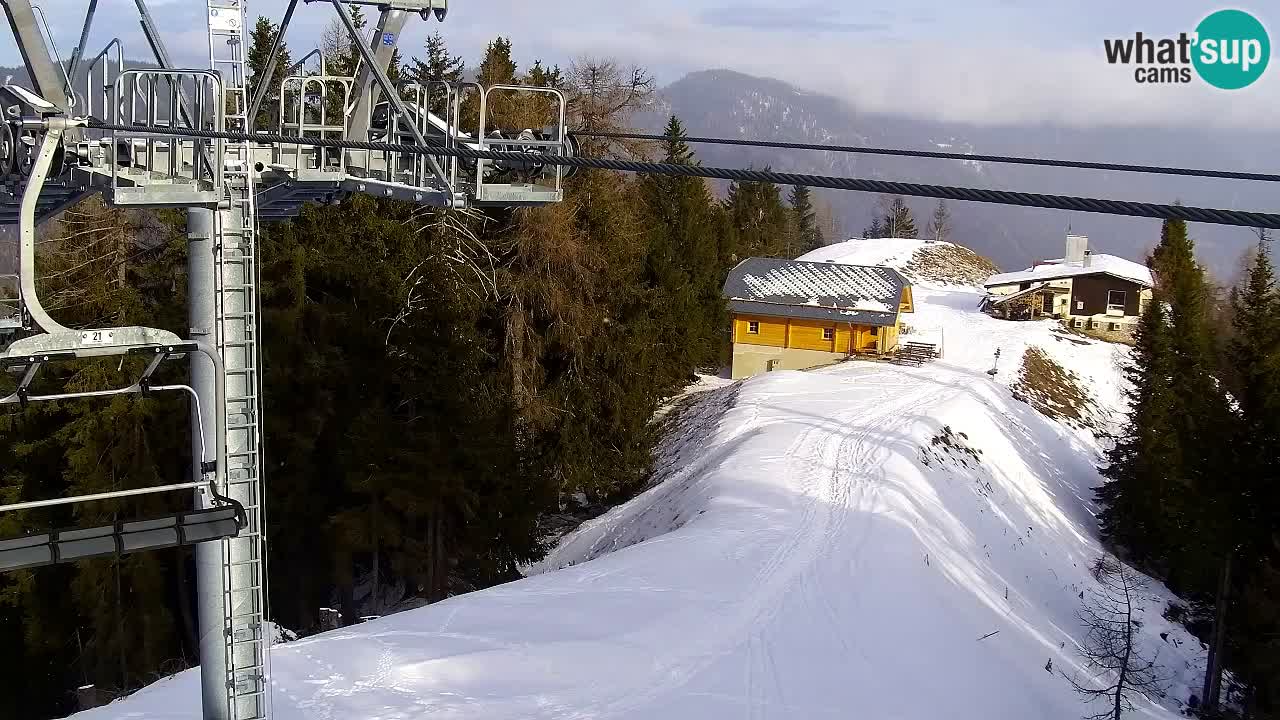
793	315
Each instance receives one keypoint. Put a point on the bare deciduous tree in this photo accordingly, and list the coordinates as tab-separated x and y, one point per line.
602	95
940	225
1120	672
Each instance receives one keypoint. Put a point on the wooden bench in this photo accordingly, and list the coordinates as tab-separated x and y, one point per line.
915	353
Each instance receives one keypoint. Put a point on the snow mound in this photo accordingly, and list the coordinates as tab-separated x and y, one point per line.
922	261
864	540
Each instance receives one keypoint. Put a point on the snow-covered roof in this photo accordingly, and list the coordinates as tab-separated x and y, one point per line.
863	294
1060	268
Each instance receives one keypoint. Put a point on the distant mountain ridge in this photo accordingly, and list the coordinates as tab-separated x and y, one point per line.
726	103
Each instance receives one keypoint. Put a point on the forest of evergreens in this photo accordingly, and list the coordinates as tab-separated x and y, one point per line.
1192	494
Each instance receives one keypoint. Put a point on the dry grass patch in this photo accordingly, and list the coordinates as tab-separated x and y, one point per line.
950	263
1055	391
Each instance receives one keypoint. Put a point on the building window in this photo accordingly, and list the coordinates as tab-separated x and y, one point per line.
828	333
1079	304
1115	327
753	328
1078	323
875	331
1115	301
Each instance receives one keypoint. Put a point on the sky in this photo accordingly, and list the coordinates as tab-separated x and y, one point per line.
985	62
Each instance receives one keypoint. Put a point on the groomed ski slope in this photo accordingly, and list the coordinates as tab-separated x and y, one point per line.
810	553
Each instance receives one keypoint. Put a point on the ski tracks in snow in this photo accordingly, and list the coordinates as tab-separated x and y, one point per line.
843	460
836	465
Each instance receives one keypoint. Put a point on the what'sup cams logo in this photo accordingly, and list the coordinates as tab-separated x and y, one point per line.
1229	50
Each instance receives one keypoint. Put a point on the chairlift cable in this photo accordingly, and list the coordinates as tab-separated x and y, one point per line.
897	152
1241	218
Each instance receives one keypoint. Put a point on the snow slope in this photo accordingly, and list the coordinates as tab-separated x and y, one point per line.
812	552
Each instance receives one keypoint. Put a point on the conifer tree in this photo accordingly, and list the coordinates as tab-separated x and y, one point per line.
757	220
875	229
1145	457
1254	356
260	46
682	264
497	65
897	221
261	39
804	223
439	63
1203	420
496	68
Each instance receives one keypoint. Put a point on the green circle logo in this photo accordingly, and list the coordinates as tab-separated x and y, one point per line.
1232	49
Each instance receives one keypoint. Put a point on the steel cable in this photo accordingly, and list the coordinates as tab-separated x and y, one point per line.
1242	218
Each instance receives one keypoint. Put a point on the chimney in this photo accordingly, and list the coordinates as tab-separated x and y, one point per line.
1087	259
1077	248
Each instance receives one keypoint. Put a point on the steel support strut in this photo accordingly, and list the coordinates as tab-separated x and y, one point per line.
384	83
52	142
268	72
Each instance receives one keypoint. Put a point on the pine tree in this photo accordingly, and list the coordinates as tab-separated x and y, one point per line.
1254	355
897	221
1172	500
1168	497
1139	491
875	229
1202	418
804	223
682	264
261	39
438	66
757	220
496	68
940	225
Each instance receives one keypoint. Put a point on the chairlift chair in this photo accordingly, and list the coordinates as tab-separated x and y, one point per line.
49	342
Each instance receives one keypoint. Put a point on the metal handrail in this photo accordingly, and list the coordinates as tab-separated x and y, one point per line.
485	142
69	88
303	82
211	85
106	84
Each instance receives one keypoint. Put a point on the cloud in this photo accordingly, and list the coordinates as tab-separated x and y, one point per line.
955	79
811	18
984	62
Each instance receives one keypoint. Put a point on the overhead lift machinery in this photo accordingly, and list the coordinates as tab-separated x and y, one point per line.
52	157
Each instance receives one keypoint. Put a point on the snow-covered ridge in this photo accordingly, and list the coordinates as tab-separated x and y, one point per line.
865	540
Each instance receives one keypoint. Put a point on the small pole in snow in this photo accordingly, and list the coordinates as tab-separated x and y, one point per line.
995	364
984	637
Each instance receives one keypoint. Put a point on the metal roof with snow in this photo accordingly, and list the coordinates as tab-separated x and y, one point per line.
1058	269
861	294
